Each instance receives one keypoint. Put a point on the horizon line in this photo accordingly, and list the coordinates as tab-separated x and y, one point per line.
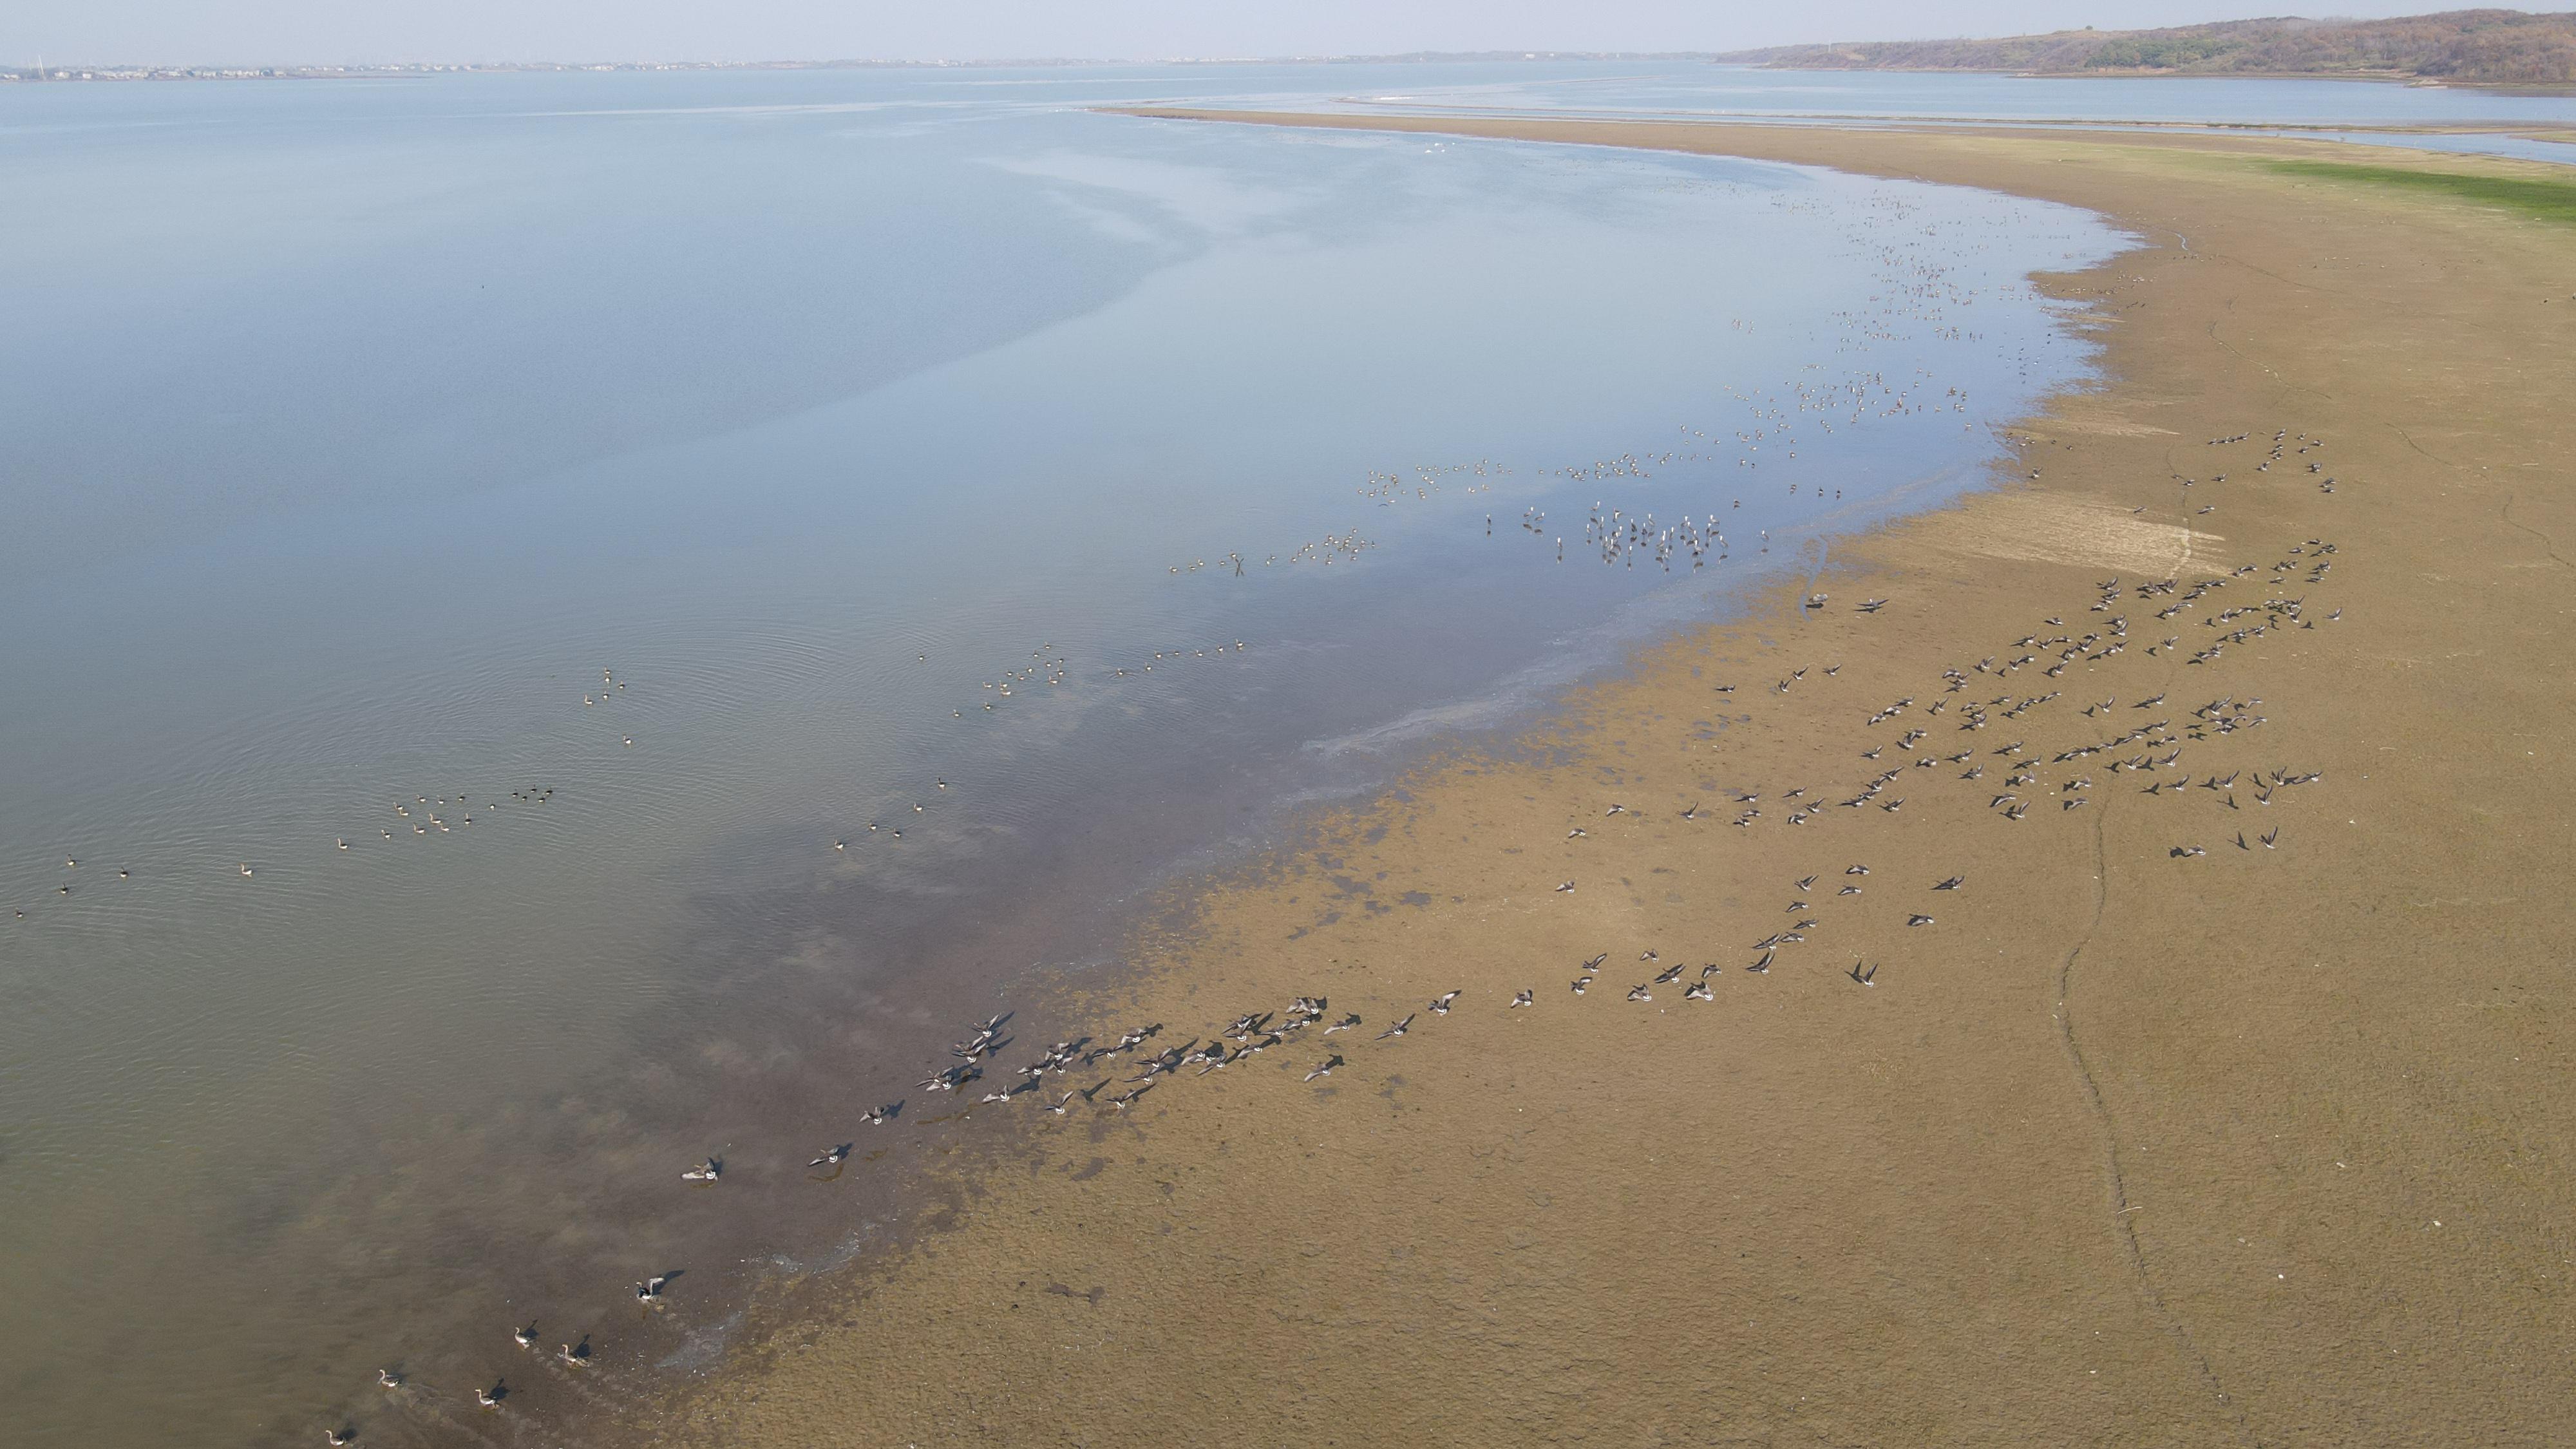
41	68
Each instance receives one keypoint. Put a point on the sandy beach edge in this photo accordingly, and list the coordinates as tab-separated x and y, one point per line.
2216	1103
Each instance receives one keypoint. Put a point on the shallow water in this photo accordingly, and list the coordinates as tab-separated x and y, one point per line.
1681	88
1639	90
613	507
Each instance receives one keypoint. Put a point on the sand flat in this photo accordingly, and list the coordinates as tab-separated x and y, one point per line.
2265	1144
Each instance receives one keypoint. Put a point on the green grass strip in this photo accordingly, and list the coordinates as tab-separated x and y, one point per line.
2546	200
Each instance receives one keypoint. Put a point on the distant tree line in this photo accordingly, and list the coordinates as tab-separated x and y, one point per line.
2491	47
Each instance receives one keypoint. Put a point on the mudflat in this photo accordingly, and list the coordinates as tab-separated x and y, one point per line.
2224	1096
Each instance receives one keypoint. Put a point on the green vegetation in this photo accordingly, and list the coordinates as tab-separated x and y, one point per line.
2546	200
2485	47
2161	52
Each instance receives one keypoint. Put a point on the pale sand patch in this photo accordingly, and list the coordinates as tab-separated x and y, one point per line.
2035	527
2095	414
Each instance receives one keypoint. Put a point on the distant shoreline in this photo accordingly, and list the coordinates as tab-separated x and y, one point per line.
45	74
52	74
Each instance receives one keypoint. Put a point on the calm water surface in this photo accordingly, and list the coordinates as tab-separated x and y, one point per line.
1639	90
559	625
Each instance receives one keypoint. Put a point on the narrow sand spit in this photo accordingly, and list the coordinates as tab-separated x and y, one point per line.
2226	1100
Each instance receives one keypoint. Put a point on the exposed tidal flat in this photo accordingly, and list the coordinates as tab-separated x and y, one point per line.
2086	966
1212	545
565	630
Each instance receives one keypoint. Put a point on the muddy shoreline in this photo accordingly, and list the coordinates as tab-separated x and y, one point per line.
2223	1098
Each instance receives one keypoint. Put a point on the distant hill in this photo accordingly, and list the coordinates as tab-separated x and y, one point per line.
2485	47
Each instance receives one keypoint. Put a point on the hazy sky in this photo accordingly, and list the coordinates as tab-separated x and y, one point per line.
326	31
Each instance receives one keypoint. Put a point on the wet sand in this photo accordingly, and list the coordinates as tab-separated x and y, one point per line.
2266	1144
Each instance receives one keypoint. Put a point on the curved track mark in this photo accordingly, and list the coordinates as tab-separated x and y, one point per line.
2117	1183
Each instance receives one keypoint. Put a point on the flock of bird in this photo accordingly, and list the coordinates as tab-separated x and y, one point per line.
1911	288
2142	737
972	1070
2150	744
